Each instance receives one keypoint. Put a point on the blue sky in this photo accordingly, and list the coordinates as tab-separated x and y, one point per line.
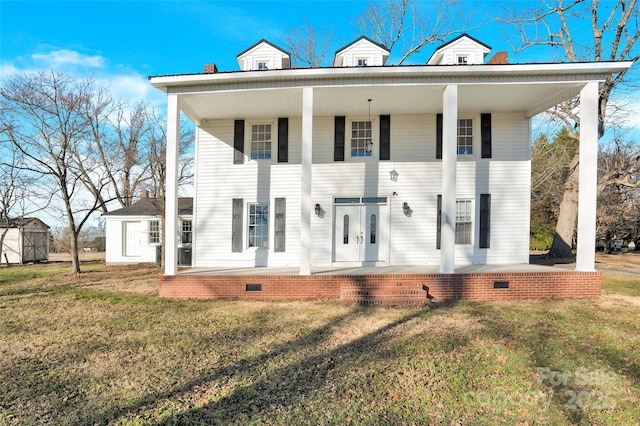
123	42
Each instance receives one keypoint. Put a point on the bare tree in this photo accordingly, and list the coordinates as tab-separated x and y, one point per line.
614	34
308	45
405	26
158	167
45	118
123	148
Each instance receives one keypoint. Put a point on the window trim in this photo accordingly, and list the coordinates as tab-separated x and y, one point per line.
475	134
258	61
357	60
268	225
151	233
190	231
249	140
375	138
471	216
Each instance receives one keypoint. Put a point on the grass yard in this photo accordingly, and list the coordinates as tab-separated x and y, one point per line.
104	349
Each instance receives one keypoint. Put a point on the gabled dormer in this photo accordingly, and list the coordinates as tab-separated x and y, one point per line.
263	55
462	50
362	52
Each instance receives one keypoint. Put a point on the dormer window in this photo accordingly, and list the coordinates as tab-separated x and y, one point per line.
362	62
463	59
262	65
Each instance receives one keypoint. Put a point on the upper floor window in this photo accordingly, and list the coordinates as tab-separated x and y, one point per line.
154	232
186	232
361	139
465	136
463	59
261	142
361	62
262	65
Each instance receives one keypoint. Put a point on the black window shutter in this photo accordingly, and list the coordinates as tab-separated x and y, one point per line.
385	137
338	146
485	220
280	224
238	142
283	140
438	136
236	225
485	135
439	225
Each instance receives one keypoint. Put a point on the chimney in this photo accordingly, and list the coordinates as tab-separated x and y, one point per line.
144	194
210	68
500	58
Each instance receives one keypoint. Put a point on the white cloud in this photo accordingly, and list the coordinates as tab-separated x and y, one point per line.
57	58
133	87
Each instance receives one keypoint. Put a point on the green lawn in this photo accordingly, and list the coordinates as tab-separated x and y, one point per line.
102	349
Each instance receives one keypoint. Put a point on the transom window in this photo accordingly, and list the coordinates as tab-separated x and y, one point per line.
463	221
465	136
259	225
261	142
361	140
154	232
186	233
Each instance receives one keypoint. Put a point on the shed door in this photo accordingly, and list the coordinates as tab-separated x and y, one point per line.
132	238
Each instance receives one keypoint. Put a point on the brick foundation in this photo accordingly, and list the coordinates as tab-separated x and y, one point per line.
386	289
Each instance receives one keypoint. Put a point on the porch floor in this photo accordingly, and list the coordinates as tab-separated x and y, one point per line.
372	270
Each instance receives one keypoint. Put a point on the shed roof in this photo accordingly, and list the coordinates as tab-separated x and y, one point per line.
149	207
20	222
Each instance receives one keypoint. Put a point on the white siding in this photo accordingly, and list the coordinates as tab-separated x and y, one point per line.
261	53
12	246
116	240
362	49
474	52
412	240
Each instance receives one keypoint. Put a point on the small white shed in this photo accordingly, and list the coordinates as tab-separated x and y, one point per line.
26	240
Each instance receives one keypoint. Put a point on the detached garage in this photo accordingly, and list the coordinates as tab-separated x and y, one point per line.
26	240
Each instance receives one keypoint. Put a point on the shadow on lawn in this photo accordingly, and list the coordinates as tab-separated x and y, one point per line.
545	341
276	388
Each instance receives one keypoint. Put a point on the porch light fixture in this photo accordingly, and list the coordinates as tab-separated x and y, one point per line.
318	209
406	209
394	175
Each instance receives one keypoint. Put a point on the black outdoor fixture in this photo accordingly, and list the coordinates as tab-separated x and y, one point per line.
318	209
406	209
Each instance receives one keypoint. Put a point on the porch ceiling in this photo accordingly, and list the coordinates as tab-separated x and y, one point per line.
528	98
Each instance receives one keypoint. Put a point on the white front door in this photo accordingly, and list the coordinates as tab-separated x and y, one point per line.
360	233
132	238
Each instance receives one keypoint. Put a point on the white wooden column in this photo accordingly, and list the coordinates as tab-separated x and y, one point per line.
588	178
305	188
171	191
449	159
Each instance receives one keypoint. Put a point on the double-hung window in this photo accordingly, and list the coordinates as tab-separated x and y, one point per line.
261	142
186	232
465	136
361	139
154	232
259	225
464	221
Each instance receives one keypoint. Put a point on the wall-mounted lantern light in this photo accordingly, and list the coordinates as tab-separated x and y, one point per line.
318	209
394	175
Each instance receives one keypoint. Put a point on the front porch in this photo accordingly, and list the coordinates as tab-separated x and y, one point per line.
393	285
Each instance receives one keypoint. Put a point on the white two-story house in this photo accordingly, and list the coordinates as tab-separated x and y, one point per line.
369	165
